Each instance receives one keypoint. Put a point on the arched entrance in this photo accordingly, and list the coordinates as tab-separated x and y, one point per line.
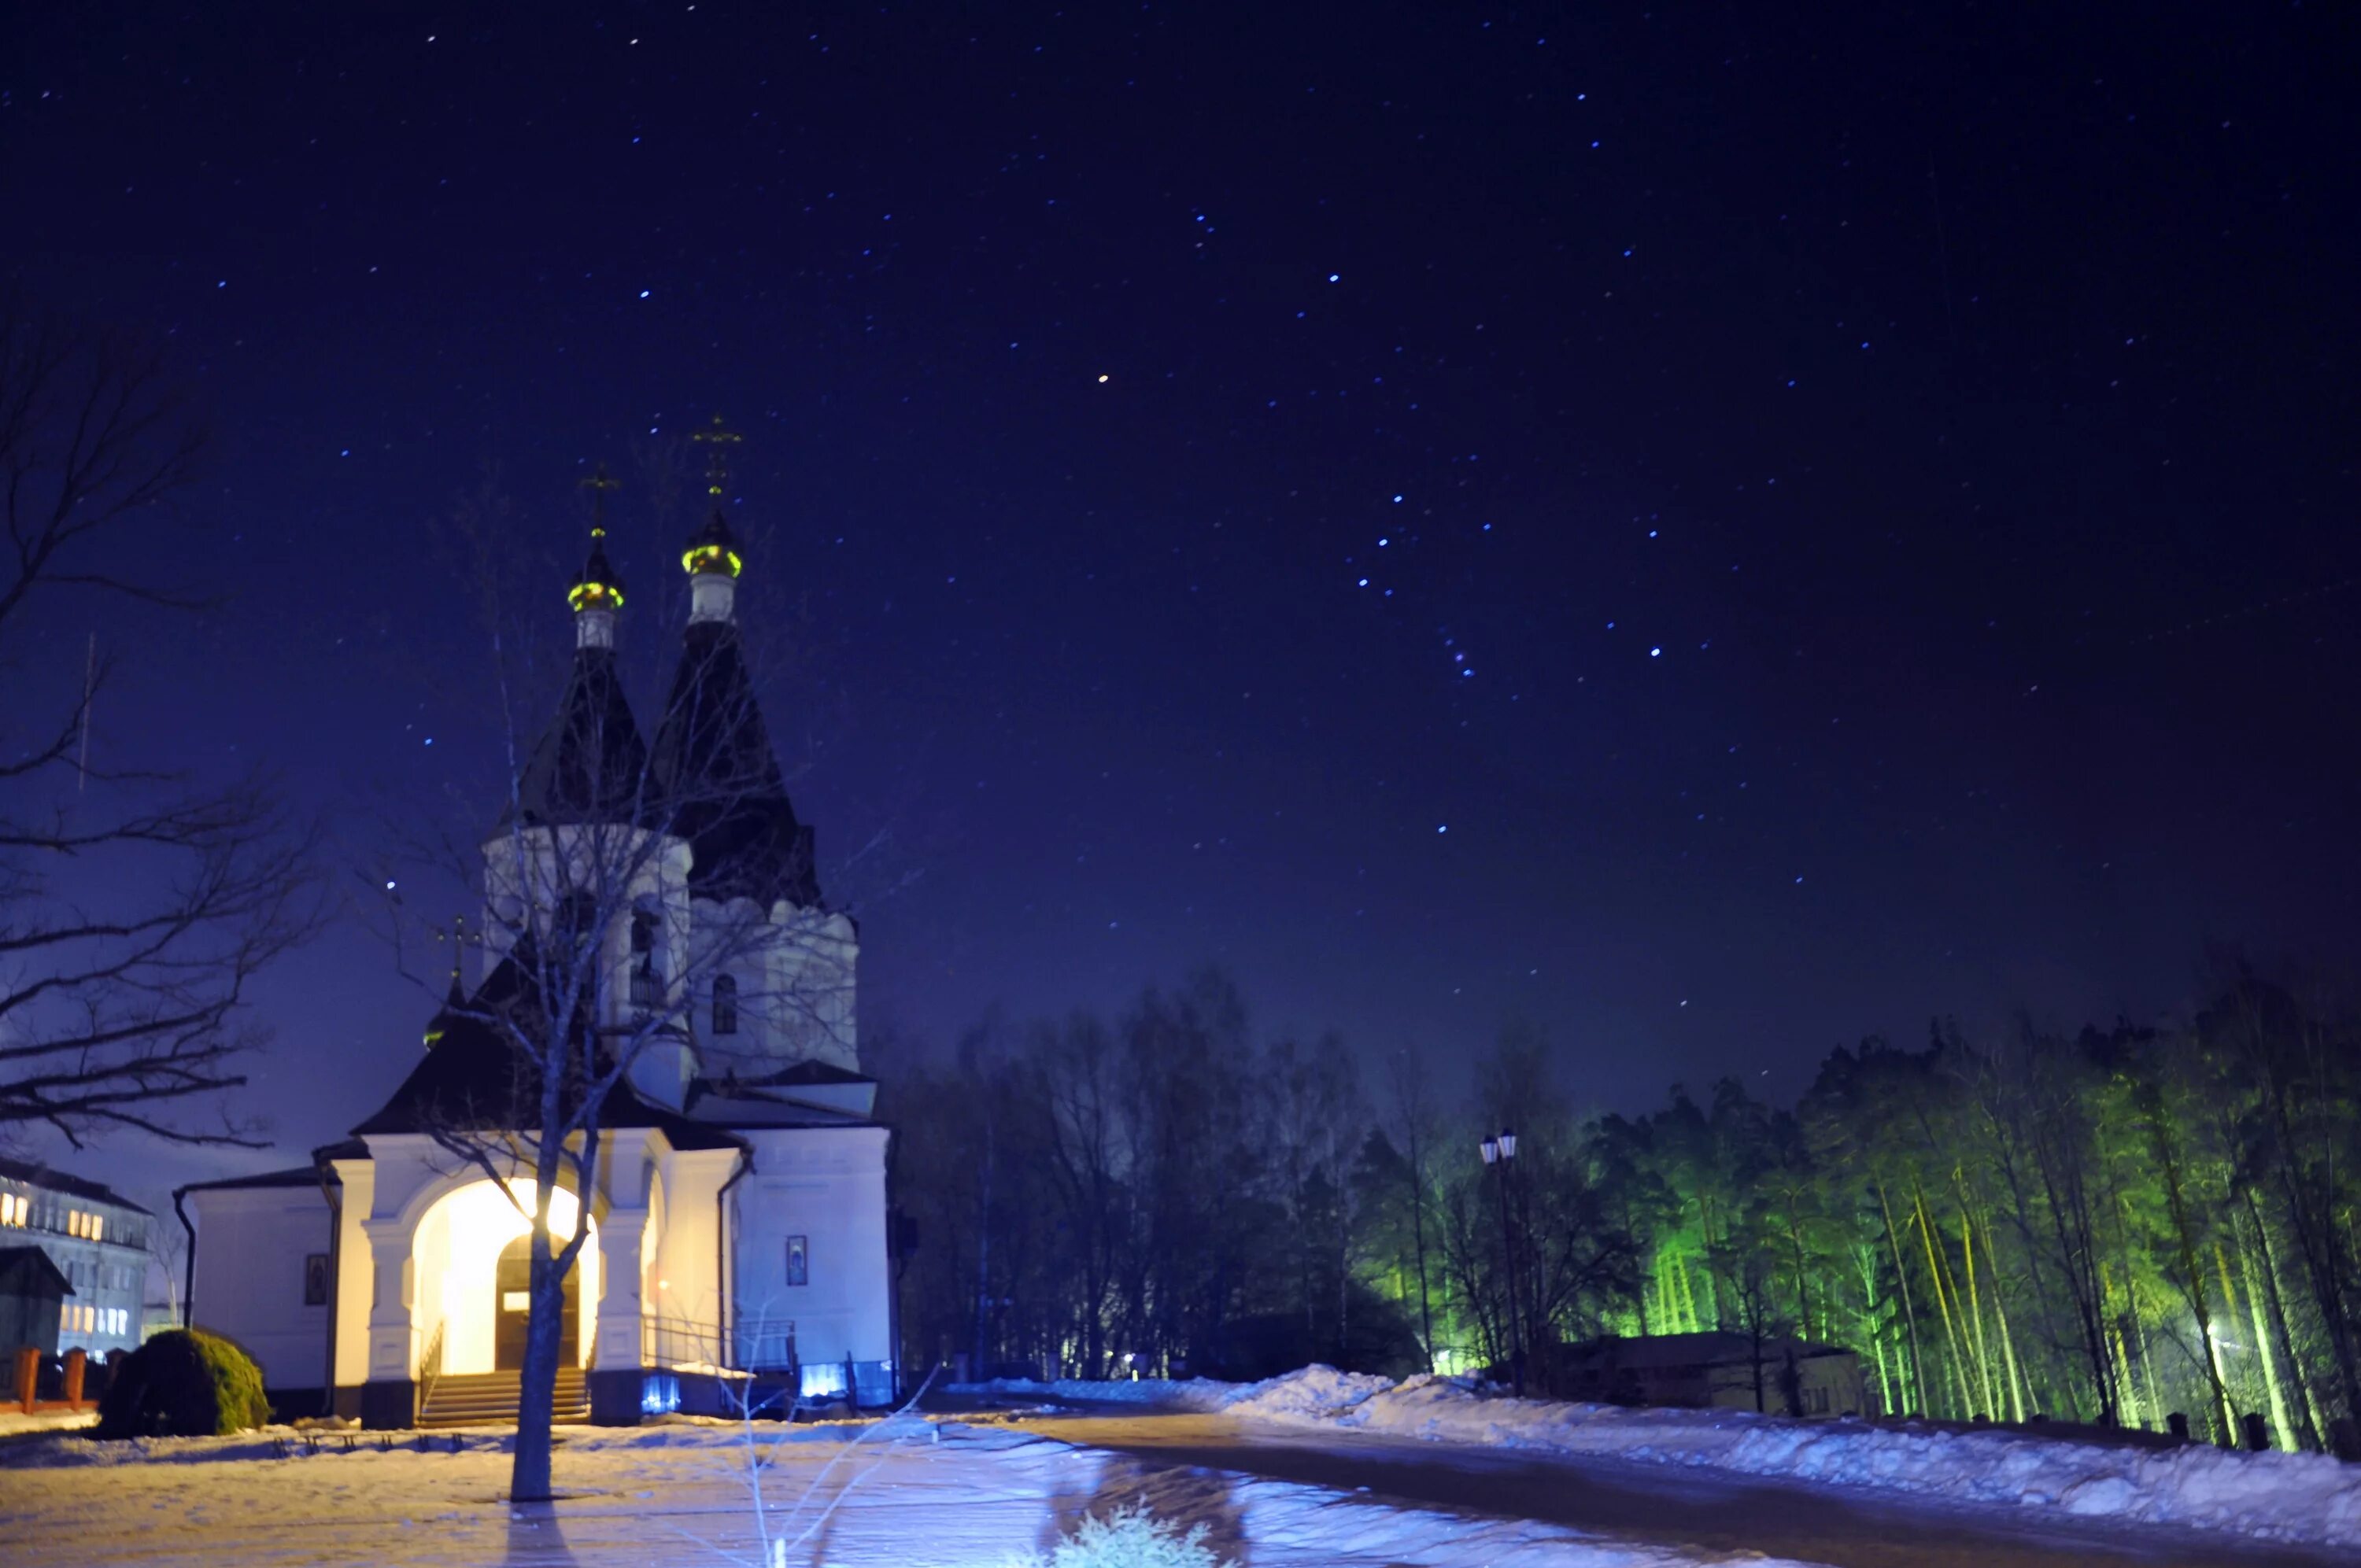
512	1308
470	1267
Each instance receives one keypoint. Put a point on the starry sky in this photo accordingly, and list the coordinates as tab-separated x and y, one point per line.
1716	530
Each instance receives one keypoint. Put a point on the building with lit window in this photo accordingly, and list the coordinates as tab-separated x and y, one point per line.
95	1238
737	1221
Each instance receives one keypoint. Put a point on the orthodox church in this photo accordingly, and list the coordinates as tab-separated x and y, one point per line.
738	1211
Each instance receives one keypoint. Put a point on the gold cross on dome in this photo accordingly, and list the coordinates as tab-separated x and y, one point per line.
598	484
718	439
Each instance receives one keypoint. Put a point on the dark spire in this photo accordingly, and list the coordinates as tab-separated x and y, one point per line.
598	586
590	764
454	1000
714	769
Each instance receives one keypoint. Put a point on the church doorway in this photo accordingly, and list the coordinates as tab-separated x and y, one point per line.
469	1256
512	1308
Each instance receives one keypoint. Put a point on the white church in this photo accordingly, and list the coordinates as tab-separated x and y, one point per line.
739	1221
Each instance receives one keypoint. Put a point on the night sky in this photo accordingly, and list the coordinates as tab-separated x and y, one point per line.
1718	530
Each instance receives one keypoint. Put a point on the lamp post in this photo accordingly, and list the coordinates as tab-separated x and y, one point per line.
1501	1152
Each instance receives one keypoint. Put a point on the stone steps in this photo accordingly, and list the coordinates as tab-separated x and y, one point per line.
488	1399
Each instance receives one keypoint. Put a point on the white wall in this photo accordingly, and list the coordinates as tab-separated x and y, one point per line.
251	1243
795	974
683	1281
827	1185
618	868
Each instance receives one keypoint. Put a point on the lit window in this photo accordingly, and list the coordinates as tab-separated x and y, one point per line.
98	1227
725	1004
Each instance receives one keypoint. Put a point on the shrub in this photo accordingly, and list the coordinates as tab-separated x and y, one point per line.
183	1382
1132	1538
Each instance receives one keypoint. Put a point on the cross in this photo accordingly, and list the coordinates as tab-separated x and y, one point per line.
457	937
598	484
720	438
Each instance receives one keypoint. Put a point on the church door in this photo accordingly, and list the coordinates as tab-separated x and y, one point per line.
512	1306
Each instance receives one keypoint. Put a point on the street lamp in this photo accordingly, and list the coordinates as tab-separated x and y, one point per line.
1502	1152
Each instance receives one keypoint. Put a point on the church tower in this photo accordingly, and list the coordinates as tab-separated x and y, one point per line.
585	827
786	997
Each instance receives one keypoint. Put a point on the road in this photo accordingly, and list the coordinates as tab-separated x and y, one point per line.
1711	1514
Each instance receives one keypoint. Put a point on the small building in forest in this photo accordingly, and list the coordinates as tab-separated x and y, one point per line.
1777	1375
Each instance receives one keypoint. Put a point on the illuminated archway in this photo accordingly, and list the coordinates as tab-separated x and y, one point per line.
456	1254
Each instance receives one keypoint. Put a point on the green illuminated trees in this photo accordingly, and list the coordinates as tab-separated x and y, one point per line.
2105	1227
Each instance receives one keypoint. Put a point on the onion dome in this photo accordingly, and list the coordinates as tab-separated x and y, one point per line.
713	550
599	585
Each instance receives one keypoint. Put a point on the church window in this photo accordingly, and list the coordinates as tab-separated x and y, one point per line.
643	933
725	1004
576	920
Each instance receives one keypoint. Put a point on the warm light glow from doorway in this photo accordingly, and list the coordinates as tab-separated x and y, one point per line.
458	1251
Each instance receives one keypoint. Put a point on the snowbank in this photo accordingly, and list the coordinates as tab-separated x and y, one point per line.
2286	1497
1197	1394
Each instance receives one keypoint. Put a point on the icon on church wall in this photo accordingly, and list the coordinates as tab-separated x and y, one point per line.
798	1261
315	1279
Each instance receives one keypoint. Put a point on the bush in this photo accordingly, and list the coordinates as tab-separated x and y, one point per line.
1131	1537
183	1382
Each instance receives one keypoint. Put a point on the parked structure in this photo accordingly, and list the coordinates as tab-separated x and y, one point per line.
1719	1371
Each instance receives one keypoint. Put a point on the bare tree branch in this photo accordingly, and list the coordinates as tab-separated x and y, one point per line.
110	1017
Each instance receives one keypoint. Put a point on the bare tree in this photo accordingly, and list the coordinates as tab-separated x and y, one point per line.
136	905
1414	1119
623	966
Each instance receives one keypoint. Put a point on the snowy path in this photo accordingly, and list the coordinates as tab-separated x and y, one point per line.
976	1498
1692	1514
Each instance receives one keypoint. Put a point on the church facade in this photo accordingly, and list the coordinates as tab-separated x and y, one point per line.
738	1211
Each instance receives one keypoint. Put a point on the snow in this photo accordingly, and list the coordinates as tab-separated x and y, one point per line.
910	1492
2300	1497
45	1420
1197	1394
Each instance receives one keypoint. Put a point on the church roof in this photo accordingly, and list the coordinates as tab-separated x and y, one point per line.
294	1175
808	1094
590	764
476	1078
720	783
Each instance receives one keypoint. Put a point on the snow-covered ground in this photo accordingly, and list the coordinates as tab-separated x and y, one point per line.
913	1494
2298	1497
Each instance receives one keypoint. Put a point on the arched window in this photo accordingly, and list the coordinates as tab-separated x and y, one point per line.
647	984
725	1004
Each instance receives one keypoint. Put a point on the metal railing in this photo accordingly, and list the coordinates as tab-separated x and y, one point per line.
430	1365
769	1343
679	1342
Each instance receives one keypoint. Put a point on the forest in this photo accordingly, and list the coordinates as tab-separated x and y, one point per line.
2107	1227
